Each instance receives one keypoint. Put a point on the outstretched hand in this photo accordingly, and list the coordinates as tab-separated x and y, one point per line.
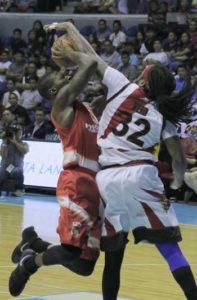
64	26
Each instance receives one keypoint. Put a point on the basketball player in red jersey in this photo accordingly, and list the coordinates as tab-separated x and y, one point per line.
134	121
79	225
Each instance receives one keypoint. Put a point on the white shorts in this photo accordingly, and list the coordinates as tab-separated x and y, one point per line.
134	200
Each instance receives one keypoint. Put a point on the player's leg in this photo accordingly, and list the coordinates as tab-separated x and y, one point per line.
31	240
180	268
111	274
114	239
30	262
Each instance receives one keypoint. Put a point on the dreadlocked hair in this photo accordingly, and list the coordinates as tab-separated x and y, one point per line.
175	107
44	85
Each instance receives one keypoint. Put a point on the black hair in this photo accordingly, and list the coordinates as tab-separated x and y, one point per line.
117	22
44	85
38	22
173	107
17	30
124	52
102	20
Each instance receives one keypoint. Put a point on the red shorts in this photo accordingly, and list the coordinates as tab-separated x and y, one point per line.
79	221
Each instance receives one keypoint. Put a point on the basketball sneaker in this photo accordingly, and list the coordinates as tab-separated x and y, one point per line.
28	236
20	275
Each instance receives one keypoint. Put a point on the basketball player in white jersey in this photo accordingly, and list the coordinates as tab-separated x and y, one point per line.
135	120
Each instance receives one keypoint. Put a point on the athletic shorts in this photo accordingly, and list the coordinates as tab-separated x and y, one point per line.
79	221
134	198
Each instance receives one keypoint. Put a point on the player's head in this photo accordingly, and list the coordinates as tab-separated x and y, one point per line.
158	80
50	84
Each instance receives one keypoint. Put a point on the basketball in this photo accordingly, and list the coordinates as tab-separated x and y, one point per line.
66	40
63	42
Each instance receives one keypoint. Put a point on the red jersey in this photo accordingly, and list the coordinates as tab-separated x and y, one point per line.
79	140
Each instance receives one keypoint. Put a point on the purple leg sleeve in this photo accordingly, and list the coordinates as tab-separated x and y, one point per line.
173	255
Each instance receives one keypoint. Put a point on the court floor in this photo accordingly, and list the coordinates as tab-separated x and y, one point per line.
144	276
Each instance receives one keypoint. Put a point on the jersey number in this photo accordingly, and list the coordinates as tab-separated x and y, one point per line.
134	137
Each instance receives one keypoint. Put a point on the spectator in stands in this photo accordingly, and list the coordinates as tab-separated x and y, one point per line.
11	88
30	97
35	45
126	67
97	47
17	68
182	78
147	45
163	8
183	53
40	128
12	153
133	58
158	55
118	37
110	55
184	6
138	43
87	6
172	4
5	5
139	70
32	58
4	66
30	72
44	60
19	111
92	38
107	7
188	134
17	42
31	42
103	31
154	15
170	43
39	30
193	35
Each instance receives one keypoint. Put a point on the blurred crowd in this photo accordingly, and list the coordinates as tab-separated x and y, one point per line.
30	5
157	9
24	59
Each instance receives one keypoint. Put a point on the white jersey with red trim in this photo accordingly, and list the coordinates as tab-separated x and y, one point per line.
130	127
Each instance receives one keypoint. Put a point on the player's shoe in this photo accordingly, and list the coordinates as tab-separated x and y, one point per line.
20	275
28	236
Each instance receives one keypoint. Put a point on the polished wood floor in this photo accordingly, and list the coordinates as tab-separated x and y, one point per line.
145	275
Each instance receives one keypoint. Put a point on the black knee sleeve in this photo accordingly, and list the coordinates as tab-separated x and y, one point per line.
82	266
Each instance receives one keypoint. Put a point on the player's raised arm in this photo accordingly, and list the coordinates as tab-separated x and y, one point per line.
86	67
